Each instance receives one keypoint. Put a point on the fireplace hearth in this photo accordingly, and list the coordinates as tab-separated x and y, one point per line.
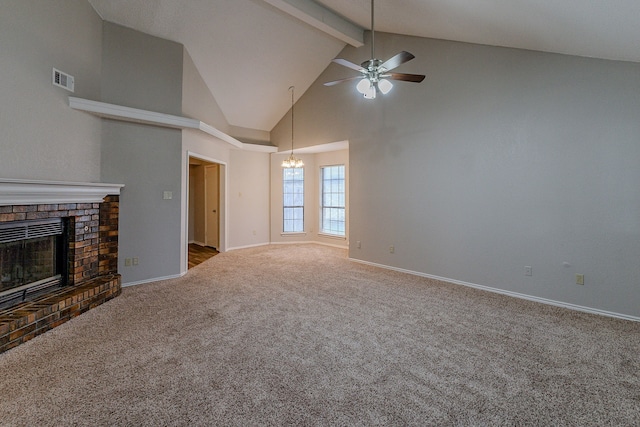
58	254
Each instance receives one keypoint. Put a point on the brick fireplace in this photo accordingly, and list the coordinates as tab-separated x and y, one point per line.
90	214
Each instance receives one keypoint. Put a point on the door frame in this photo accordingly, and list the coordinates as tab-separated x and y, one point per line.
207	207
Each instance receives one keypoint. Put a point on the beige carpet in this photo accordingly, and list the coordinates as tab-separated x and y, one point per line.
298	335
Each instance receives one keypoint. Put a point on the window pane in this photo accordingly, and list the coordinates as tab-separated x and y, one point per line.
292	200
333	198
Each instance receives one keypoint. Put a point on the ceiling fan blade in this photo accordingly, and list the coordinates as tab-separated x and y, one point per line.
397	60
416	78
348	64
335	82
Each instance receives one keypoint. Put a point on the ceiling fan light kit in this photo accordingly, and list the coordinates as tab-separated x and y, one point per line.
375	73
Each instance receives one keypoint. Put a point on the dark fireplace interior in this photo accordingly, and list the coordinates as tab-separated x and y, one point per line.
32	259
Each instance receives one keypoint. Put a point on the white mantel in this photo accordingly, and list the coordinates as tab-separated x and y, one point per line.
30	192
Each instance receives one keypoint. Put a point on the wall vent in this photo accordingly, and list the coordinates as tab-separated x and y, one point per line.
63	80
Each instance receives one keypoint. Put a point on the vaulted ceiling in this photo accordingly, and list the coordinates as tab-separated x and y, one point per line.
250	51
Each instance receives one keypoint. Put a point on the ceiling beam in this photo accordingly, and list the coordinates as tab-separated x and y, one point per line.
323	19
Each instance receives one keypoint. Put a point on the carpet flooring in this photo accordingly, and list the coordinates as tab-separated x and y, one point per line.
299	335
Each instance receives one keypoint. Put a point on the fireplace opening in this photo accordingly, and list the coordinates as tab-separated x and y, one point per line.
33	258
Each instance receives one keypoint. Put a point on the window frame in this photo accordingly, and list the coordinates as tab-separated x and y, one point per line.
294	207
332	232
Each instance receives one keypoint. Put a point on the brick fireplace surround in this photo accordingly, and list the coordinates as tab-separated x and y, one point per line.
92	253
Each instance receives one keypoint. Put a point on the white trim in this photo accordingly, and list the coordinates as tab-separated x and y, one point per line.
30	192
314	242
259	148
235	248
302	242
195	242
504	292
331	236
294	234
332	245
320	148
156	279
136	115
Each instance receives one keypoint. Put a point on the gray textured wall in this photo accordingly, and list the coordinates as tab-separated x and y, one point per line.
145	72
500	159
141	71
40	136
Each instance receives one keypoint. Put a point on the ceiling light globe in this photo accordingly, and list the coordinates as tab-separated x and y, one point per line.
384	86
363	86
371	92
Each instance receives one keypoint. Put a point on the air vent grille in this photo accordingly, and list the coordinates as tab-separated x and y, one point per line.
14	232
63	80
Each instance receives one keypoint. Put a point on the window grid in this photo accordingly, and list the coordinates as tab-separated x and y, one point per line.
293	200
332	210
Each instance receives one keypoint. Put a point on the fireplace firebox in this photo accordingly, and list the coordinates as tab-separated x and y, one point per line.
33	259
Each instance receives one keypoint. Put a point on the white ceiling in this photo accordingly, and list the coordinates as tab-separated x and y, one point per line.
250	51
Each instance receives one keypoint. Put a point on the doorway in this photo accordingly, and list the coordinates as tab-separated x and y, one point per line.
205	210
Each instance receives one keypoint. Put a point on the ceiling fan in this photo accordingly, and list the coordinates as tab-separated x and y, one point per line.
375	74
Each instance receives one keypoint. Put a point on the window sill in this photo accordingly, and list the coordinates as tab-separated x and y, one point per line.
302	233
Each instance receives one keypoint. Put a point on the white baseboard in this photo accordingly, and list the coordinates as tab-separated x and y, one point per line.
155	279
296	242
235	248
197	243
504	292
310	242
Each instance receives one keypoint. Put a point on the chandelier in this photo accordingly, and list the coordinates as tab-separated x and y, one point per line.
292	162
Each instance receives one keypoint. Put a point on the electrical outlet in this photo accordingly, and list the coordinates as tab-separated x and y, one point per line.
135	261
127	262
528	271
358	244
392	249
579	279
